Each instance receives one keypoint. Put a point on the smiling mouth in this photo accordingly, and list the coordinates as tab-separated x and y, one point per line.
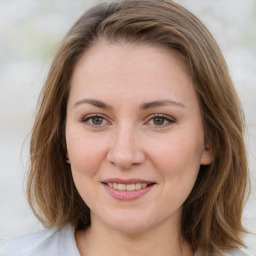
128	187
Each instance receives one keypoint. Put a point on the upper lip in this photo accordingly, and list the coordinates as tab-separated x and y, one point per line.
126	181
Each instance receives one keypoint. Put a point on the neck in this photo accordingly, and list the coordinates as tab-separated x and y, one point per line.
99	239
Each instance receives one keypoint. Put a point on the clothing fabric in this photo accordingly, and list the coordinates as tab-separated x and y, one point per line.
49	242
56	242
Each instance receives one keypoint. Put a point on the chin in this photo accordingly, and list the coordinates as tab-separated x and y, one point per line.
129	224
130	228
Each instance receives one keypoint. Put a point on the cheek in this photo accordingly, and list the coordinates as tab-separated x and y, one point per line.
178	156
178	163
85	153
86	156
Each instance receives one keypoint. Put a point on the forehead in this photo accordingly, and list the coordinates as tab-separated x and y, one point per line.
127	71
103	52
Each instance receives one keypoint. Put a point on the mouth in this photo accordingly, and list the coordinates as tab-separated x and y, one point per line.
128	187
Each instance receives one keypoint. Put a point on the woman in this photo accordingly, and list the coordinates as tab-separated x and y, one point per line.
137	147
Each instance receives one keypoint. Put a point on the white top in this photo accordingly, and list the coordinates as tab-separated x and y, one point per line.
55	242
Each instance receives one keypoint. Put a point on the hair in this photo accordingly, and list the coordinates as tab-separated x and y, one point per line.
211	217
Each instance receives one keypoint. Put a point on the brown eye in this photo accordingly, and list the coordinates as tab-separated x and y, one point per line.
97	120
158	121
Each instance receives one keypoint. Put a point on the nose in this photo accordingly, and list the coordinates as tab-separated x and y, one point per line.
125	151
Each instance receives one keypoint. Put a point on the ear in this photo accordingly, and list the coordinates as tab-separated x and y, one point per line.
67	159
207	155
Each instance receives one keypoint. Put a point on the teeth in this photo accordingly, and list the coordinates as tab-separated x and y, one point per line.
127	187
143	185
121	187
130	187
138	186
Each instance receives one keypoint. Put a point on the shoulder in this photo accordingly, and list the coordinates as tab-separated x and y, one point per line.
236	252
50	242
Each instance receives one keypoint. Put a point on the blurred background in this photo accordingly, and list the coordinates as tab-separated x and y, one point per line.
30	32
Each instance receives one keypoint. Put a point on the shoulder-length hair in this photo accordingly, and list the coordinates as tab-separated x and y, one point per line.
211	217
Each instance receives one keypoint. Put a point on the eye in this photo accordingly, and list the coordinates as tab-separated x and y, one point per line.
159	120
95	120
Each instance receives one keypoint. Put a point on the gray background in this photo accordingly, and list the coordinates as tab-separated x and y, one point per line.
30	31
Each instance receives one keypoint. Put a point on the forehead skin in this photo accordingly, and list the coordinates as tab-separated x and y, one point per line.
130	64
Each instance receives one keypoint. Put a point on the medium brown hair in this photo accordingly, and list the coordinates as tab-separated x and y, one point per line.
211	218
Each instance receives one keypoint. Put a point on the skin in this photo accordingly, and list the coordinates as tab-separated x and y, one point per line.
128	141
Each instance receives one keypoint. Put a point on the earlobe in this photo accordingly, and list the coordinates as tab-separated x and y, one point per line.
207	156
67	159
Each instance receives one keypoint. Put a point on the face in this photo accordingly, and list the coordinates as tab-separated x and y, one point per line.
134	135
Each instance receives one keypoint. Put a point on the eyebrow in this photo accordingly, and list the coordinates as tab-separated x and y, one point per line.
153	104
160	103
96	103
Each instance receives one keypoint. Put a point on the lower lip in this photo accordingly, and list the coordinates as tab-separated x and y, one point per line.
127	195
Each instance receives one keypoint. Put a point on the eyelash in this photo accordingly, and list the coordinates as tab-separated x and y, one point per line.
167	120
89	118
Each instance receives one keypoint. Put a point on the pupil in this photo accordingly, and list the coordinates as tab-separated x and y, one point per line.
158	121
97	120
